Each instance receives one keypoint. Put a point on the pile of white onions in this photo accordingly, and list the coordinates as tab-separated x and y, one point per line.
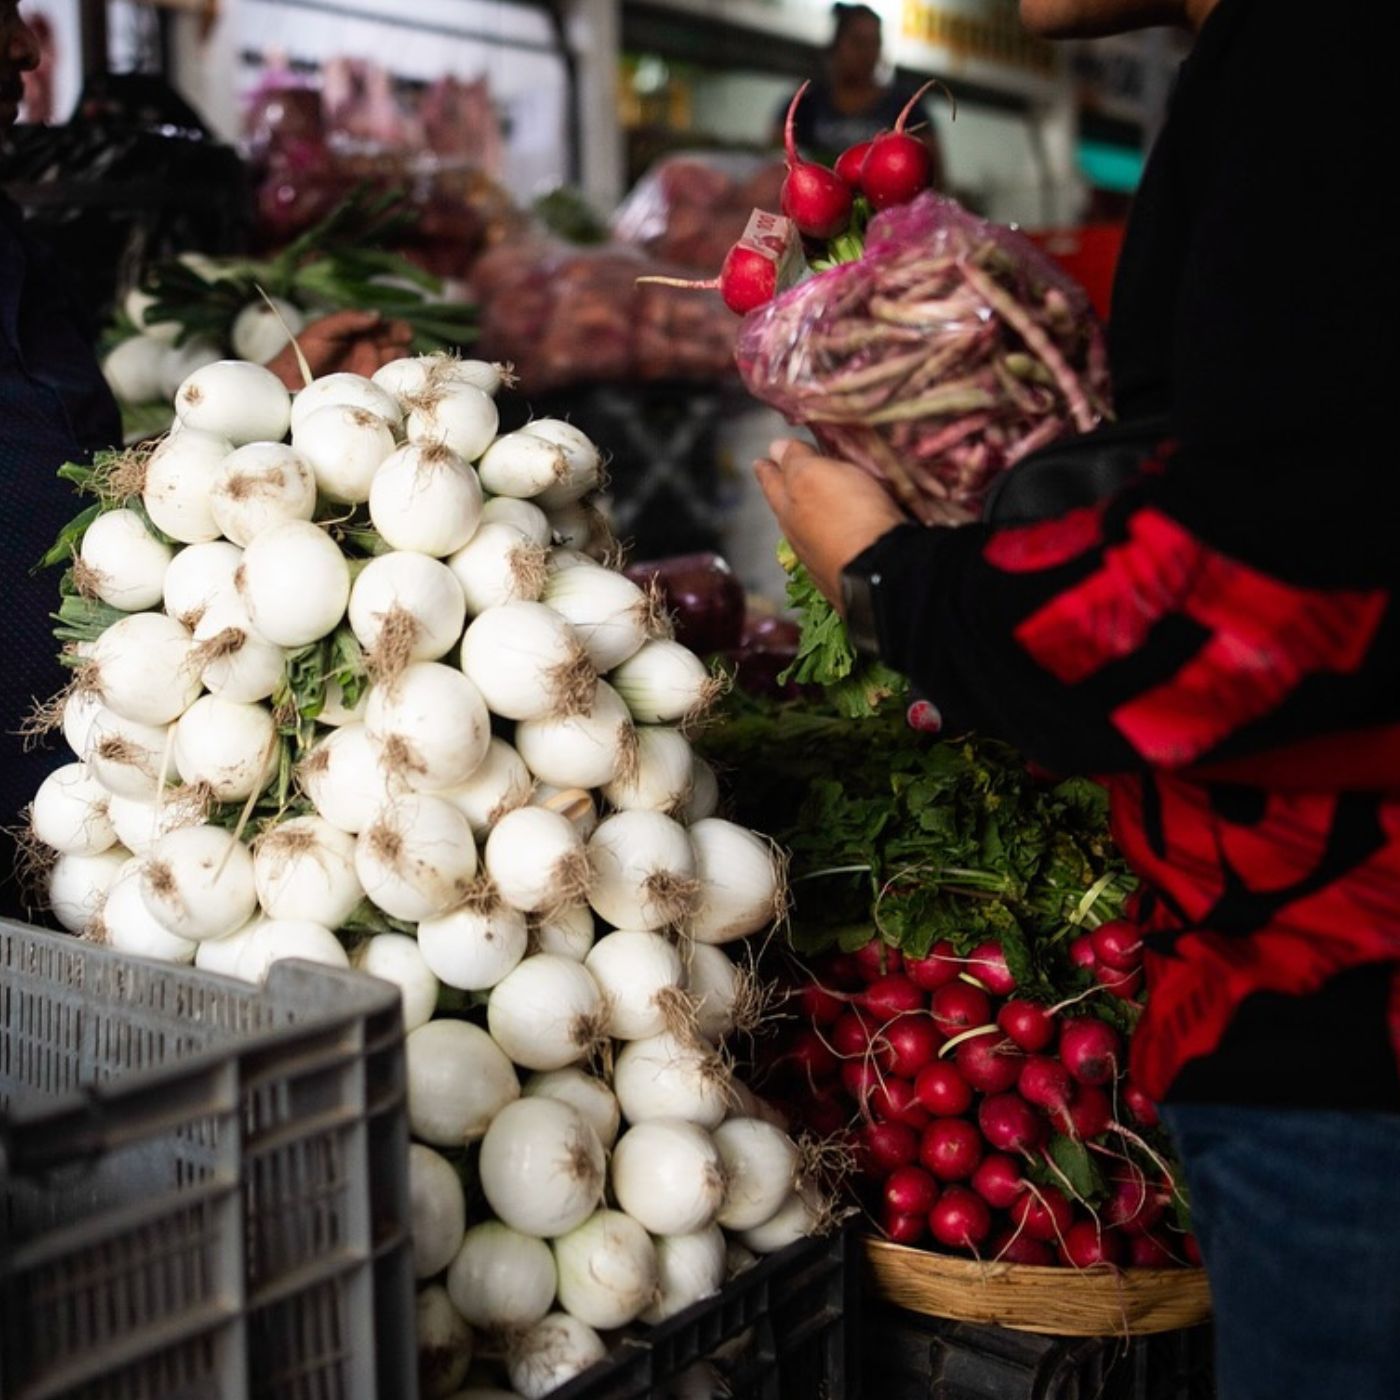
498	808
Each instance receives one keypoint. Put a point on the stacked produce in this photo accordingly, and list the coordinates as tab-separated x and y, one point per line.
565	315
364	698
194	310
688	208
963	987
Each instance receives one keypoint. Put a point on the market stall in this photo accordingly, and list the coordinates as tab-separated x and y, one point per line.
497	965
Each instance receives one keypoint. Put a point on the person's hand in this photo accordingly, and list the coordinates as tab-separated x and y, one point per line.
829	511
354	342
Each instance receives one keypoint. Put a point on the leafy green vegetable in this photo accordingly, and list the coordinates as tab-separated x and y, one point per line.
854	686
1078	1167
341	264
565	211
917	838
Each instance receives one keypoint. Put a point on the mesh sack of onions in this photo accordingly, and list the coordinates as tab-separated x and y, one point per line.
350	685
948	352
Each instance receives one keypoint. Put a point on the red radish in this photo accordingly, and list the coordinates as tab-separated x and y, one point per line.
1090	1113
1148	1252
951	1149
1047	1084
816	199
908	1044
861	1078
850	1036
1192	1250
885	1146
961	1219
897	166
998	1180
910	1191
747	280
841	970
987	963
989	1063
810	1057
940	967
891	995
1119	945
895	1100
1032	1027
1010	1248
1086	1246
821	1007
1142	1108
1009	1123
943	1090
1043	1215
959	1007
1133	1205
906	1229
1124	985
877	958
1090	1050
849	162
1082	954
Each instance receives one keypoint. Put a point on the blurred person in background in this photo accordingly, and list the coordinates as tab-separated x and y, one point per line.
1218	639
55	407
848	103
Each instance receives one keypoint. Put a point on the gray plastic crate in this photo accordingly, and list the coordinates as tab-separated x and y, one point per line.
203	1184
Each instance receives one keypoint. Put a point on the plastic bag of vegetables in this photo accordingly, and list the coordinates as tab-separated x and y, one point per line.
950	350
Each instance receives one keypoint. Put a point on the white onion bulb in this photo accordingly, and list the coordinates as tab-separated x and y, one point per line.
668	1176
541	1167
501	1279
459	1081
425	499
672	1076
643	871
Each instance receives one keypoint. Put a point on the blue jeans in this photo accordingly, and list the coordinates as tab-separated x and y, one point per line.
1298	1216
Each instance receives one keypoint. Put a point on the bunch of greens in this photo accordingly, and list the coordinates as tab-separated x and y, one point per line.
854	686
341	263
917	839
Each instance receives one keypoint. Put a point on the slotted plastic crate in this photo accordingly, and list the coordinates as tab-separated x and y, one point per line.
784	1329
203	1184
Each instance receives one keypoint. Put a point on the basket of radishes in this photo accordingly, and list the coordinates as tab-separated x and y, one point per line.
963	986
1000	1129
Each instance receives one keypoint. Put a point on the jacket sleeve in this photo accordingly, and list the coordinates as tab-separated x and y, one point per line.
1115	638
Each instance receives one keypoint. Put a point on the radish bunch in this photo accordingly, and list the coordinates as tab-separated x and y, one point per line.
826	206
363	709
983	1122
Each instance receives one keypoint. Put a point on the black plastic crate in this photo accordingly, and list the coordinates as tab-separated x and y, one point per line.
782	1330
911	1357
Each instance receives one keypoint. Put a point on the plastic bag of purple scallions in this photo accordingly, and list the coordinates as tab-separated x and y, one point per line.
950	351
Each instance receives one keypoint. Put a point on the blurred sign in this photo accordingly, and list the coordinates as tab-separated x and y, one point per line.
986	31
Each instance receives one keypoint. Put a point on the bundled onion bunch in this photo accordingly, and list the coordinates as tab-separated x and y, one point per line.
350	685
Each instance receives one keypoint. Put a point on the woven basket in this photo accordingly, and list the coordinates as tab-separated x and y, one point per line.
1060	1302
